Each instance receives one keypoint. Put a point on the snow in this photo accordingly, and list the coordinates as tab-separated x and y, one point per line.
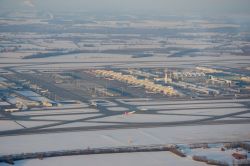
32	95
78	115
28	124
65	117
38	98
4	103
8	125
186	102
120	137
27	93
202	111
2	79
140	118
215	153
247	115
82	124
117	109
58	44
100	60
56	111
191	106
104	102
118	159
62	109
50	119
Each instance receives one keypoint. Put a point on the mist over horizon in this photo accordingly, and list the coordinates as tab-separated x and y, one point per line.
147	7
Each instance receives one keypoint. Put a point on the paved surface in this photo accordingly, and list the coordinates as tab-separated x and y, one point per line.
112	113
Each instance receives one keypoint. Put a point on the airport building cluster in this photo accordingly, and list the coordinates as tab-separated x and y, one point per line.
19	95
31	90
197	82
147	84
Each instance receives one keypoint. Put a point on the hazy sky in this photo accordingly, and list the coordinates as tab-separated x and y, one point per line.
143	6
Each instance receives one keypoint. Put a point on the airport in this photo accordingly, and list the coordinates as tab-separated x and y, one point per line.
135	90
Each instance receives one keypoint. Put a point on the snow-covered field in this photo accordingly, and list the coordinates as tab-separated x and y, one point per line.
121	137
194	42
149	111
166	102
141	118
122	159
94	60
8	125
216	152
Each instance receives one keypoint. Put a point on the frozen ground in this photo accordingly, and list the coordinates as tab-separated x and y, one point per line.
146	111
140	118
8	125
147	101
92	60
32	96
121	137
216	152
124	112
122	159
220	120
